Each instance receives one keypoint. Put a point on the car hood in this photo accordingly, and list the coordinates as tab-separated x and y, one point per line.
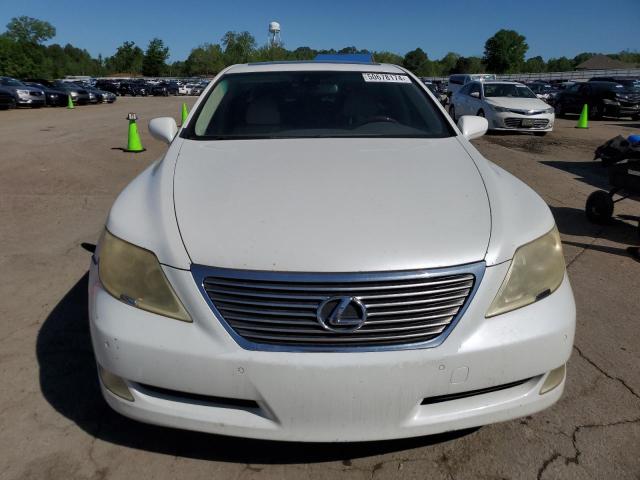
330	205
518	103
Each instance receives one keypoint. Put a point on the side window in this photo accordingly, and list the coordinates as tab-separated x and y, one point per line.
465	90
474	88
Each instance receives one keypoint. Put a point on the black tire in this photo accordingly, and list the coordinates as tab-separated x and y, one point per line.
560	110
599	208
596	112
480	113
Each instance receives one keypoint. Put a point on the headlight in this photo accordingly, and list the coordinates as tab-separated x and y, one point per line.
133	275
22	92
498	109
549	110
537	270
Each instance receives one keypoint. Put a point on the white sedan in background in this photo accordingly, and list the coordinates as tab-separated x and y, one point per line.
506	106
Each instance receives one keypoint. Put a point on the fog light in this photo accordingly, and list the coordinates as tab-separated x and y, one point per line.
555	378
115	384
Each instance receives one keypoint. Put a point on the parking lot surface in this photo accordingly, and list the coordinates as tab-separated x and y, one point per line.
60	170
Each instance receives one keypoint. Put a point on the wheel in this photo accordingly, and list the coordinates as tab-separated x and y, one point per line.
596	112
480	113
559	110
452	112
599	208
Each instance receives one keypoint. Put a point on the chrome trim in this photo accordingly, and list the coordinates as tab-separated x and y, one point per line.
201	272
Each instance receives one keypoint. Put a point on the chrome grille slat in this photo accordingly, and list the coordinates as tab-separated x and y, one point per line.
276	309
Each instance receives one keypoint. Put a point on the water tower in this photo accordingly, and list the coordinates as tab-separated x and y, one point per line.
274	34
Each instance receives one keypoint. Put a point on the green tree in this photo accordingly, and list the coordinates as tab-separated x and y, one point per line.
304	53
29	30
127	59
415	61
467	65
504	52
238	47
387	57
535	65
447	64
562	64
206	59
154	62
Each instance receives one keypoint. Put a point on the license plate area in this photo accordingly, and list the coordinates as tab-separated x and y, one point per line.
527	122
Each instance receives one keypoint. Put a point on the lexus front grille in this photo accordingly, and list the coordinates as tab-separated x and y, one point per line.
382	310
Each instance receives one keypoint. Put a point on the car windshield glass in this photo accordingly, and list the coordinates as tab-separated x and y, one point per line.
317	104
507	90
11	82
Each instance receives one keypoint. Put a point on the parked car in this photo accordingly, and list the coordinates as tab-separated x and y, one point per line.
23	95
544	91
627	82
79	95
321	255
506	105
603	99
197	90
7	100
53	97
101	96
185	89
165	89
108	86
457	81
442	97
132	88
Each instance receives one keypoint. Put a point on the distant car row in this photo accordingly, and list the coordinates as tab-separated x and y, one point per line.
145	88
36	93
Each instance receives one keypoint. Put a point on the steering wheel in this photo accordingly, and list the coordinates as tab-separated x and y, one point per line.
377	118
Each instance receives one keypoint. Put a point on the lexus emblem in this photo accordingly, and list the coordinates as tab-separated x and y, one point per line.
341	314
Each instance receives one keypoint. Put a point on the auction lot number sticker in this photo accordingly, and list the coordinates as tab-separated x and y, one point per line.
385	77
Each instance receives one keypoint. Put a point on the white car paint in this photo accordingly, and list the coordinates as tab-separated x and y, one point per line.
415	203
518	109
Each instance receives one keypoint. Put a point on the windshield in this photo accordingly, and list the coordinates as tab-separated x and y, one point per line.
507	90
11	82
317	104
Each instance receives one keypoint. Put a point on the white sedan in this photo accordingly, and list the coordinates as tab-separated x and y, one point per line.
322	255
506	105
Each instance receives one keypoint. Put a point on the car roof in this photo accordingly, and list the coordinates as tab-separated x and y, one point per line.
315	66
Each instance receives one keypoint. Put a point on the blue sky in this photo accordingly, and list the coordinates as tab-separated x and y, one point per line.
552	28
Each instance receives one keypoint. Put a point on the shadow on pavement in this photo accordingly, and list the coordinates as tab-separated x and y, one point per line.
573	221
69	383
589	172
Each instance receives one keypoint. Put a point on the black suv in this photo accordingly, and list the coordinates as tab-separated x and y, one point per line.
603	98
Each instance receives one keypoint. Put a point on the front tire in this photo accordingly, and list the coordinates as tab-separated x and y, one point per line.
599	208
596	112
480	113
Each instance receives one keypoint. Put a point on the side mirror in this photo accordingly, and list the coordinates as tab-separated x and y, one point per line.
163	129
472	126
475	94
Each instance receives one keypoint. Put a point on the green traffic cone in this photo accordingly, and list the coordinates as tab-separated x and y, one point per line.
583	122
134	143
70	103
185	113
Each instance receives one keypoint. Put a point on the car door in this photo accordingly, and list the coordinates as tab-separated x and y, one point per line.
474	102
460	100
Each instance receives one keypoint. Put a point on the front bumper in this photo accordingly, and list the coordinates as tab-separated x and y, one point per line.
334	396
542	122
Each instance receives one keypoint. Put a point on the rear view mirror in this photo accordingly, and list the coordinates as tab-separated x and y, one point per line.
475	94
163	129
472	126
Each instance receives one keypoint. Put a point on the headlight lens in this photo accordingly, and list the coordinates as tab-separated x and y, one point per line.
133	275
537	270
22	92
550	110
498	109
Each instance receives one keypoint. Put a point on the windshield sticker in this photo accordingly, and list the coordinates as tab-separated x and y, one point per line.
385	77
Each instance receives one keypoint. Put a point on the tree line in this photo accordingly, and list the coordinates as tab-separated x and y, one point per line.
23	54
